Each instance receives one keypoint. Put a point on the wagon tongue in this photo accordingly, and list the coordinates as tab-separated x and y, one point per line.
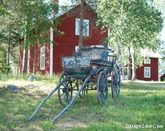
52	92
73	99
44	100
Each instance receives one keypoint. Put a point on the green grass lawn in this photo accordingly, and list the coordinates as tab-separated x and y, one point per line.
140	105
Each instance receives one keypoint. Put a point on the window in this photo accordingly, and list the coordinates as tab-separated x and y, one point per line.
147	61
42	58
85	27
147	72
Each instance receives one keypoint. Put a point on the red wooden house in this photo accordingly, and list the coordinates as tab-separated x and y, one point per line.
64	45
149	71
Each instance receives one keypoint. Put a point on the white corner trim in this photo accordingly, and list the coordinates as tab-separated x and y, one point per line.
51	51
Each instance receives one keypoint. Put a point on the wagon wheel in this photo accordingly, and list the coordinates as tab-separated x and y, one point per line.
84	91
102	87
65	92
115	83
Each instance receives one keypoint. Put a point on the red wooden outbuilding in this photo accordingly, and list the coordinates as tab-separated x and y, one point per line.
149	71
65	45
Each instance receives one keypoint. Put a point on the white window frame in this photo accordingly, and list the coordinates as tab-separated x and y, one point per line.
147	72
147	61
77	27
42	58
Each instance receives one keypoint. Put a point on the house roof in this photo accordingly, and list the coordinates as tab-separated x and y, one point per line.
64	9
149	53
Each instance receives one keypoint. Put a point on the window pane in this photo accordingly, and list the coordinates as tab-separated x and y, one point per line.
77	27
42	58
147	72
85	27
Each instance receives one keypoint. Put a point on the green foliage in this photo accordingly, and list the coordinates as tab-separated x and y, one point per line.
148	22
131	23
26	21
2	10
37	20
4	67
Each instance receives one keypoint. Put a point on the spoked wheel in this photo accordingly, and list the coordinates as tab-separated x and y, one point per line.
65	92
102	87
84	91
115	83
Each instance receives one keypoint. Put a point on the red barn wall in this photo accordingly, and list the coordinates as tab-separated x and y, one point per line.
65	44
31	55
154	70
34	55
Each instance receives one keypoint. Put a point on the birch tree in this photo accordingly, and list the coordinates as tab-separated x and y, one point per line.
132	24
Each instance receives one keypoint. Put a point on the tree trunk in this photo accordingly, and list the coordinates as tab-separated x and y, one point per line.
25	61
119	57
25	57
133	65
81	24
129	64
9	50
34	60
51	52
20	67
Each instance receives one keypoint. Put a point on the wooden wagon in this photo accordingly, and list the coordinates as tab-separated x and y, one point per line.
93	64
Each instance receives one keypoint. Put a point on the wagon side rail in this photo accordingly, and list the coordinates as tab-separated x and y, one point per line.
109	63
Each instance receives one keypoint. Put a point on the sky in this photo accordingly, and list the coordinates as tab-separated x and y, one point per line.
163	30
64	2
163	33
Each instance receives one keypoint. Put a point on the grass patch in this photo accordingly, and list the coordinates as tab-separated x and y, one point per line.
139	104
38	77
